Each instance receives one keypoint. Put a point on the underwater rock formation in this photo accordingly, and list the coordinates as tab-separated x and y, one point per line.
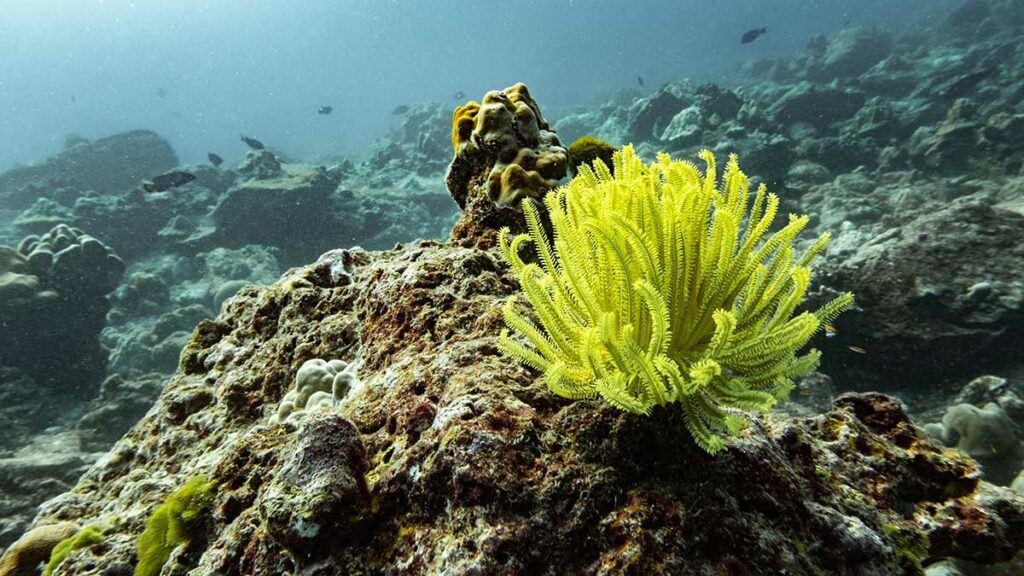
285	206
848	53
941	296
109	165
451	459
816	105
419	144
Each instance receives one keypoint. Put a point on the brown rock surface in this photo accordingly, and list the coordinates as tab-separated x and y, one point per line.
450	459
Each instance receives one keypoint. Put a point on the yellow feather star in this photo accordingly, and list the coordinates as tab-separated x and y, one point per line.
661	285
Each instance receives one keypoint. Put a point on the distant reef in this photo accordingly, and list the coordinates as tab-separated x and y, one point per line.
106	165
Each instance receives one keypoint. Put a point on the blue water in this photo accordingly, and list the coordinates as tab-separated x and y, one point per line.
200	73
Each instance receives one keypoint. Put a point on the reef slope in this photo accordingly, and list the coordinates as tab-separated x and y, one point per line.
450	459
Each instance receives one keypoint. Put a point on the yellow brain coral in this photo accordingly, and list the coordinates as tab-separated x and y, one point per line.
463	123
506	136
662	285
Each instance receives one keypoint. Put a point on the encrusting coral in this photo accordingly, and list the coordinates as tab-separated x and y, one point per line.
980	432
586	149
33	548
660	287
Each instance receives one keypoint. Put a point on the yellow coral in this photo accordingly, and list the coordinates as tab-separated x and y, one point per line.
463	123
523	156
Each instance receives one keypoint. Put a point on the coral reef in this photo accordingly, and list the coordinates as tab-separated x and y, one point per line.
504	152
451	459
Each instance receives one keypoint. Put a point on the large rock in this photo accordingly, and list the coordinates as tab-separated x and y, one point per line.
819	106
949	146
850	52
451	459
291	210
651	116
941	296
109	165
53	301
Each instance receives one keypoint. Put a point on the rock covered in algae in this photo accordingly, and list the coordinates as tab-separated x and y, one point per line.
450	459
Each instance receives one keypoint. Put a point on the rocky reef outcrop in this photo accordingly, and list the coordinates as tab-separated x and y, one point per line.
446	457
107	165
940	311
288	207
451	459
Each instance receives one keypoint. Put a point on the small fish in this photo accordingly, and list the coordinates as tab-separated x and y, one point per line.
640	81
830	331
459	95
161	92
214	159
751	35
253	143
167	180
325	110
399	110
73	99
857	349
